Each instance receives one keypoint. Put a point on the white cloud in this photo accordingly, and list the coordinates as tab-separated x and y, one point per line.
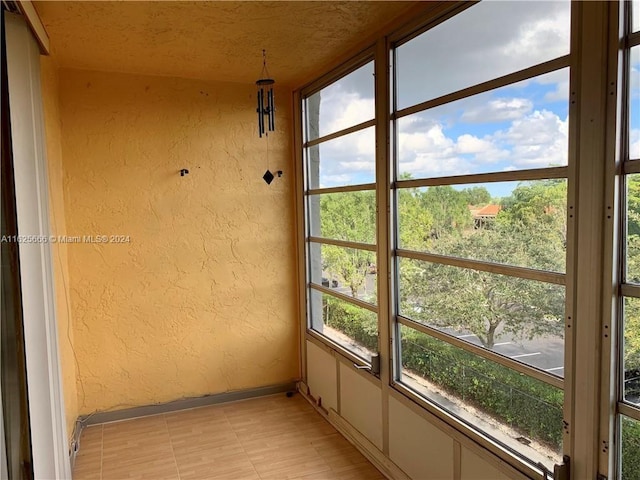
544	38
634	143
471	144
561	92
498	110
430	152
338	179
560	80
488	40
340	109
634	81
349	159
538	140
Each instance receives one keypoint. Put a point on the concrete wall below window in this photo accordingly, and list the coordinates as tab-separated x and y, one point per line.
396	431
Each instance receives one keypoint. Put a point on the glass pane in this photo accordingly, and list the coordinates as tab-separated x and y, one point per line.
352	327
519	411
486	41
635	17
522	224
521	126
631	349
343	104
630	451
634	104
349	216
633	229
347	160
520	319
349	271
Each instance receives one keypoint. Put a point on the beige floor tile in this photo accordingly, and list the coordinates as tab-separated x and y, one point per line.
270	438
229	465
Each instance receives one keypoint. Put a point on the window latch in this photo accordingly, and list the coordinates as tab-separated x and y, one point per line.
546	473
374	367
562	471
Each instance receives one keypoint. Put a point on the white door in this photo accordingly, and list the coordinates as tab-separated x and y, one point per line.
46	406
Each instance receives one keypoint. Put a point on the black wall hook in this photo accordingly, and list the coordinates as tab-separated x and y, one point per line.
184	172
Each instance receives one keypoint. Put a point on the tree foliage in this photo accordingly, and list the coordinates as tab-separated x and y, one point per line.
631	347
348	216
529	231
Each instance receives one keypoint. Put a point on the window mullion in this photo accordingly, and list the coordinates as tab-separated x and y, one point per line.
343	243
382	109
586	266
512	271
508	176
540	69
341	133
347	188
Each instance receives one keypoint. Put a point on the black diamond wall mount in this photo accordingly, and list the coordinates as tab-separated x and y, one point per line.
268	176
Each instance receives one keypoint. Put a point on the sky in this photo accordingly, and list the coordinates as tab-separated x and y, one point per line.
521	126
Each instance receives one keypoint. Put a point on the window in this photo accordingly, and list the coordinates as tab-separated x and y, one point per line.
340	206
481	178
464	204
629	318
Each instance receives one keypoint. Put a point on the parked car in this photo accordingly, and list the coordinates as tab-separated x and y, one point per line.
329	283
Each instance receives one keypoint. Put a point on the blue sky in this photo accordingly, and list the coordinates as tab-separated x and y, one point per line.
634	98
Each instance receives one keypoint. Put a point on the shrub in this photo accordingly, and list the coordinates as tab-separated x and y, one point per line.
357	323
630	449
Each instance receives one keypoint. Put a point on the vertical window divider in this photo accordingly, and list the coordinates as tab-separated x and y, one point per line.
381	69
613	235
301	244
587	226
394	327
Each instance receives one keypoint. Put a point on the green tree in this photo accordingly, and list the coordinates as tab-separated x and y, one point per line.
348	216
449	209
414	219
477	196
631	305
633	204
482	303
530	231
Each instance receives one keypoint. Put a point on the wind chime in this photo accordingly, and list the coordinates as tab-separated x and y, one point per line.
265	93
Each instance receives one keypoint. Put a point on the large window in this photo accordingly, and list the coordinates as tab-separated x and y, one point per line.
629	339
481	178
340	200
472	184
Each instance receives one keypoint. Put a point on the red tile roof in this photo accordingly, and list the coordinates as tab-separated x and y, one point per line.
488	211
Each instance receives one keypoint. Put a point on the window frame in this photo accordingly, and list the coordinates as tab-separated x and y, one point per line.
561	172
364	57
587	302
625	165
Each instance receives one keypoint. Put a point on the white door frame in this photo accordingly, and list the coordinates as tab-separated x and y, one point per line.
4	469
46	405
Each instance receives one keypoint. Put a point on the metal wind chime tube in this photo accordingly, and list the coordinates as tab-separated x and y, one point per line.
265	85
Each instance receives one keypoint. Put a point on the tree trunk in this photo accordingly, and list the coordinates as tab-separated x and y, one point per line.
491	336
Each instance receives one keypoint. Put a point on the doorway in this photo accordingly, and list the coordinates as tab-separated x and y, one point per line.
16	456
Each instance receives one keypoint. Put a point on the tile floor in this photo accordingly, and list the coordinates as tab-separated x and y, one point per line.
270	438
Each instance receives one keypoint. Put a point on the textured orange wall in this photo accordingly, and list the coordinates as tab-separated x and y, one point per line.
50	82
202	299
